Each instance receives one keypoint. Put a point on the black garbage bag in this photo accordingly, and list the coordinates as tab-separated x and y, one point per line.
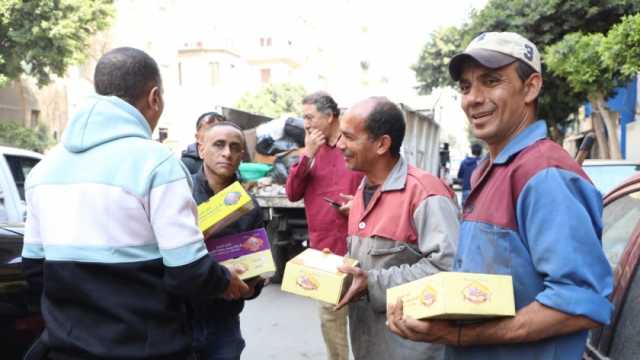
267	146
264	145
294	129
282	165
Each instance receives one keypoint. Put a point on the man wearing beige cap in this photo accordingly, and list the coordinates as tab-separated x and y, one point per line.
532	214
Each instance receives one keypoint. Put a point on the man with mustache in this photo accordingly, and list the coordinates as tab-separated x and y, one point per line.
322	174
532	213
403	226
216	322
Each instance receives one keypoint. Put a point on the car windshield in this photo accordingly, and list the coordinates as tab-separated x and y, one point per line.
606	177
621	217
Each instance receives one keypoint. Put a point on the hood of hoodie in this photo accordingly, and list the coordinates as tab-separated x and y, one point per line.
191	152
103	119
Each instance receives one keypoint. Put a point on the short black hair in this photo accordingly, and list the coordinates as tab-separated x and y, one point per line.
127	73
386	118
233	125
476	149
323	102
211	114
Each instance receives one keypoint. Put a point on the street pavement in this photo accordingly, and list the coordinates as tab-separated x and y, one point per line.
281	326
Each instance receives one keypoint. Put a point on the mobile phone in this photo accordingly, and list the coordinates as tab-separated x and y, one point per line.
332	203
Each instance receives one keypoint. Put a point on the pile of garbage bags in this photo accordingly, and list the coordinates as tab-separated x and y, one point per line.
280	138
280	135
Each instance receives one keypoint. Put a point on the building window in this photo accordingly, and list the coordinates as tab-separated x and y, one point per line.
265	75
35	114
261	42
180	73
268	42
214	68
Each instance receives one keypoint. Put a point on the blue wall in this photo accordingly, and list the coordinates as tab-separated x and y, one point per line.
624	102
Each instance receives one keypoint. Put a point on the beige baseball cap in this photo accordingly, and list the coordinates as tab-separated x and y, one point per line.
495	50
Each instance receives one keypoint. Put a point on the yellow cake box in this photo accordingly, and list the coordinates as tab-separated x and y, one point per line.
249	250
223	208
315	274
456	295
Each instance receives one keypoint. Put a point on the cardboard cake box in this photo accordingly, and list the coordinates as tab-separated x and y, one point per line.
223	208
249	250
456	295
315	274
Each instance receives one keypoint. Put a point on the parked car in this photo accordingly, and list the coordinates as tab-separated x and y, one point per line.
20	320
606	174
621	243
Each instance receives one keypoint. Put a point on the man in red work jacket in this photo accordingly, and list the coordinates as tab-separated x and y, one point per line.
403	226
327	185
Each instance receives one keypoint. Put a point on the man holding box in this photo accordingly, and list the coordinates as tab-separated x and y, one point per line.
112	224
326	184
532	214
216	322
403	226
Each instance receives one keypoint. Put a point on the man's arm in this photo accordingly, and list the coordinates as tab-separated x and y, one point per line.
299	174
32	251
298	179
560	218
189	270
532	323
436	221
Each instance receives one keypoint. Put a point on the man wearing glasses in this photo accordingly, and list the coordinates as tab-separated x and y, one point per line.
326	184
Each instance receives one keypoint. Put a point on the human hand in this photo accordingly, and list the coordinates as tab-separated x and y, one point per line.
237	288
252	284
346	205
312	142
433	331
358	286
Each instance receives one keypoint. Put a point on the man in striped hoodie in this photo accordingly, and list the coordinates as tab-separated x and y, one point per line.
111	225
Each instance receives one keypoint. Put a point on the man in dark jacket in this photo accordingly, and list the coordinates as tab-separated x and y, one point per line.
466	169
216	322
190	156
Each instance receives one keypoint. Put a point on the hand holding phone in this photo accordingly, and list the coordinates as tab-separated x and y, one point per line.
332	203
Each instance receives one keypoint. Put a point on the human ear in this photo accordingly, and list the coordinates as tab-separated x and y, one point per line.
532	87
154	98
384	145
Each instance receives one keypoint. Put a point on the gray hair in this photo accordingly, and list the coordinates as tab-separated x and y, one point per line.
323	102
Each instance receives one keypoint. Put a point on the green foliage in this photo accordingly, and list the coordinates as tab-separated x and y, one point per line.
16	135
274	100
577	58
544	22
434	59
44	37
621	48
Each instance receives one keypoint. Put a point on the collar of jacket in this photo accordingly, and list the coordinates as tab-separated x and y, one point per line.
532	133
201	184
397	178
